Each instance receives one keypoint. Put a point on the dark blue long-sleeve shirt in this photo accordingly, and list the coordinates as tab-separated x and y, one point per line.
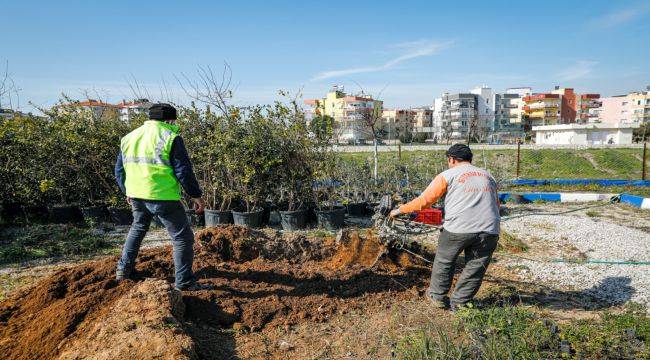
181	164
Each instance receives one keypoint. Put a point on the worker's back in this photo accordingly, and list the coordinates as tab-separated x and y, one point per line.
146	157
471	203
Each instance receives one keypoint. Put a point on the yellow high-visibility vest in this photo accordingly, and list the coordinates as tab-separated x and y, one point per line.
145	154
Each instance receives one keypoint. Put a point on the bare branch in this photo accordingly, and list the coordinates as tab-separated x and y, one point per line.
208	88
8	88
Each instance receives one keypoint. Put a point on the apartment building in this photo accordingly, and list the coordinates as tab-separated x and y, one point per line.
396	122
492	116
639	106
348	112
98	108
507	125
129	109
587	108
541	109
422	117
560	106
631	108
454	115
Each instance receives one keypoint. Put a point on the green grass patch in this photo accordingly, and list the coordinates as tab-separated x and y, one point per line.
431	344
517	332
592	213
510	243
508	333
49	241
423	165
616	336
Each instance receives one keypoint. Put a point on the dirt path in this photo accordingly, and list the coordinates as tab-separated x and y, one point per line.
590	157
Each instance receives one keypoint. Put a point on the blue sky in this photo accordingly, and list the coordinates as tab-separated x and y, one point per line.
412	50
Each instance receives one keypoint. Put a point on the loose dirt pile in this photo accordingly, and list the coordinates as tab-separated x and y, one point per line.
364	252
144	323
260	279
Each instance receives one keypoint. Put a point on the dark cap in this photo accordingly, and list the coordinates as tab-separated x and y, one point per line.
162	111
460	152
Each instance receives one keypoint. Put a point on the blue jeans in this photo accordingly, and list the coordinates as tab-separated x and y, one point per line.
173	217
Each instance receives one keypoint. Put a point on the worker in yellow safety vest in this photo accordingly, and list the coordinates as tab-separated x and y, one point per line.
151	168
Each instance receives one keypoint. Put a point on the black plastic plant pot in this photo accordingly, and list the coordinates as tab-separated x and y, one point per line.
253	219
331	219
121	216
66	214
357	209
293	220
311	215
94	214
275	218
194	219
37	214
216	217
12	212
370	208
266	215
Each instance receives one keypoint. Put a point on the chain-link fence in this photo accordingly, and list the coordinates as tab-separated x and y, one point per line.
620	163
414	167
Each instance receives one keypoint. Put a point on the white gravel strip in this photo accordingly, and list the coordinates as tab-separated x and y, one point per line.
565	236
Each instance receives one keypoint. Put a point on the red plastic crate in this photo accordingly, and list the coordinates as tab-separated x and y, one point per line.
429	216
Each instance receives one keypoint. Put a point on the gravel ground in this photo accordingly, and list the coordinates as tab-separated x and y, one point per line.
592	234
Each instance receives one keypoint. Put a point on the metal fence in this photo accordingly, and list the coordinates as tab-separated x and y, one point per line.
620	163
418	164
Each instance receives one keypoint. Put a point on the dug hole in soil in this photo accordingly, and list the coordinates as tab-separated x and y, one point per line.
261	279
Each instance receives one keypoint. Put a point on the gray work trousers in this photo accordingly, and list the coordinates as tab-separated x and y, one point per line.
478	248
172	215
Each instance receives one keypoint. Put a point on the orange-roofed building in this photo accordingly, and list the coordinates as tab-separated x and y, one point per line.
97	107
129	109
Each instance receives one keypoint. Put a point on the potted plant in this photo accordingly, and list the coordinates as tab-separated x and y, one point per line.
252	159
218	194
206	136
296	151
329	213
357	181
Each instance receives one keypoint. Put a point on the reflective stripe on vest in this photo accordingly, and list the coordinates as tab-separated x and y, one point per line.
157	159
144	160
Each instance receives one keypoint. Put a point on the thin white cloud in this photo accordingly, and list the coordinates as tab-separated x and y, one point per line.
622	16
578	70
416	49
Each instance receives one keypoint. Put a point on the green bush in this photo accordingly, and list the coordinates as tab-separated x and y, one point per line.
66	157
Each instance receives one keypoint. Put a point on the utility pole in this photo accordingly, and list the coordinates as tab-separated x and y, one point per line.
518	156
643	161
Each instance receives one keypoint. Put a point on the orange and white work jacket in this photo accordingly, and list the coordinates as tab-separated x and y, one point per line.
471	200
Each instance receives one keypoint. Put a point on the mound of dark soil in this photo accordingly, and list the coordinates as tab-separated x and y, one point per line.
256	286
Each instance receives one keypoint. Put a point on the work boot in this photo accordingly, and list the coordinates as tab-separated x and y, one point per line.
121	275
459	307
196	287
439	304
